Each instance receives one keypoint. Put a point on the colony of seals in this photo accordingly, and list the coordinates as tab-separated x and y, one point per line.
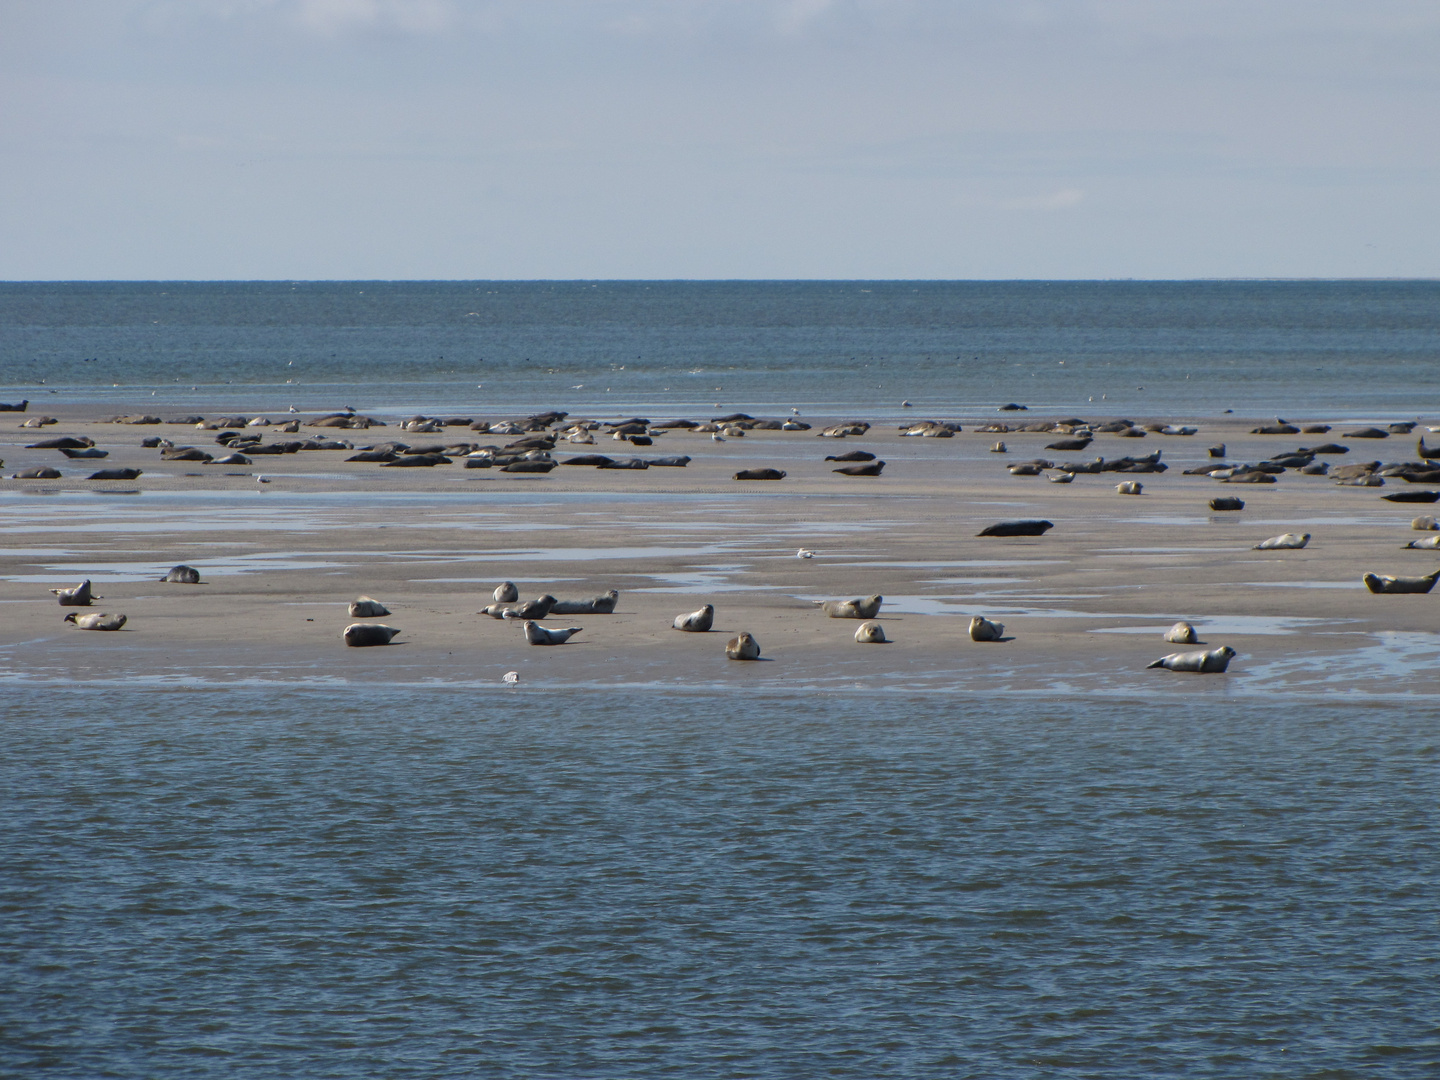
1213	661
363	635
743	646
866	608
696	622
96	621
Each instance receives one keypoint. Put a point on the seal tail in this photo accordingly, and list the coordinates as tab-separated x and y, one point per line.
1158	663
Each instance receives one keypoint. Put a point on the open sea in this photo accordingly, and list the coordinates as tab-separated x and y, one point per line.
356	882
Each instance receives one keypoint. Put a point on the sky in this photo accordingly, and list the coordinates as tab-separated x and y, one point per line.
664	139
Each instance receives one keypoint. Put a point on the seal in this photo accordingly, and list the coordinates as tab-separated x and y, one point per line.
865	455
866	608
1413	497
999	448
531	609
536	634
43	472
79	596
760	474
506	593
697	622
116	474
1430	543
871	633
1062	478
96	621
1291	541
1017	528
188	575
1130	487
604	604
743	646
364	634
1383	583
365	608
1425	524
1213	661
871	469
1182	633
982	629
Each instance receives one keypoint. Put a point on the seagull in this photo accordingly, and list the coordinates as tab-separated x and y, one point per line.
262	479
796	412
294	409
718	437
804	553
511	677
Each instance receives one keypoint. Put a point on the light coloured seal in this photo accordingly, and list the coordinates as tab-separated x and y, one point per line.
1425	524
506	593
365	634
1130	487
697	622
866	608
1430	543
743	646
79	596
1285	541
982	629
604	604
1384	583
1182	633
365	607
536	634
871	633
96	621
1214	660
185	575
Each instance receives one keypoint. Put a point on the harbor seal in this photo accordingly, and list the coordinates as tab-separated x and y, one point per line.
536	634
760	474
365	607
79	596
999	448
982	629
116	474
364	634
1384	583
1285	541
96	621
696	622
1413	497
43	472
1130	487
530	609
604	604
743	646
871	633
1430	543
1425	524
1215	660
1182	633
188	575
506	593
866	608
1017	528
870	469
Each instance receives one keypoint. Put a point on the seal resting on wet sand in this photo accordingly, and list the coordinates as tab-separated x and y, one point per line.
531	609
1182	633
96	621
871	633
760	474
364	634
1431	543
743	646
1227	503
604	604
536	634
697	622
1130	487
1425	524
365	607
1212	661
982	629
79	596
188	575
1017	528
1384	583
506	593
866	608
1285	541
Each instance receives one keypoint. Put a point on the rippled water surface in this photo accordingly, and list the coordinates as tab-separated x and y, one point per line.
366	883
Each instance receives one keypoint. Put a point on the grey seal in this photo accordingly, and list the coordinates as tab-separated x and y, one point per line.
1213	661
866	608
364	634
186	575
743	646
982	629
697	622
604	604
79	596
536	634
871	633
1383	583
506	593
1285	541
96	621
1182	633
1017	528
366	608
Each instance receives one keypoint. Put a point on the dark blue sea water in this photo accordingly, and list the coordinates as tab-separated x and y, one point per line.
366	883
1341	350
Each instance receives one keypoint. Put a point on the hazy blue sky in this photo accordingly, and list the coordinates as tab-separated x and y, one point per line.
719	138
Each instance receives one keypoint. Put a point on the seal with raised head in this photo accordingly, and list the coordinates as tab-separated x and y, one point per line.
1017	528
96	621
698	621
506	593
982	629
604	604
866	608
1285	541
743	646
79	596
1384	583
536	634
1215	660
365	634
1182	633
871	633
365	607
188	575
